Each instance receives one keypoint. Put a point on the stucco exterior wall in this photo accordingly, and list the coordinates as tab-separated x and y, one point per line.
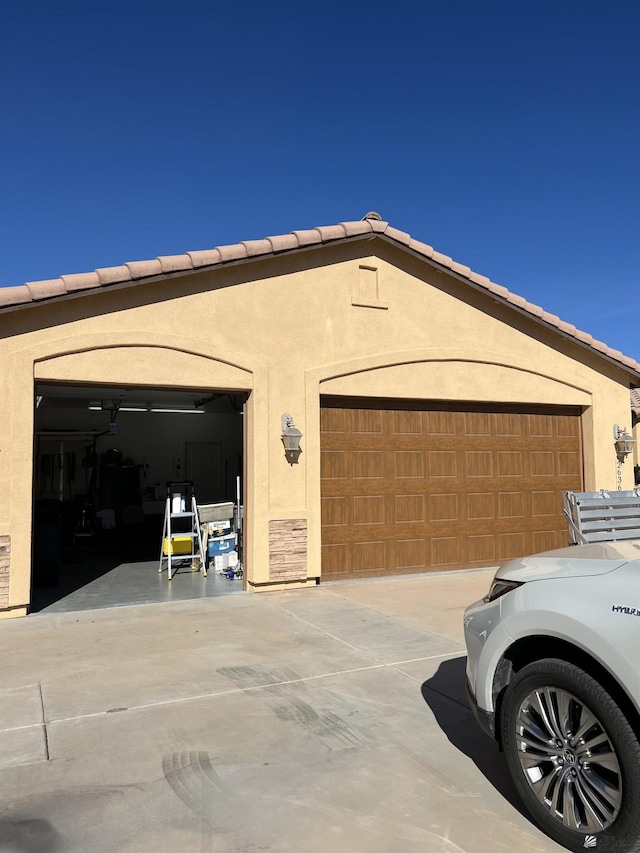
287	330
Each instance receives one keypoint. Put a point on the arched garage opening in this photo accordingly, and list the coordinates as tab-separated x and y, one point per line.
103	455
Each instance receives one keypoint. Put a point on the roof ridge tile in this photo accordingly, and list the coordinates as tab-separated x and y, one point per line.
46	289
204	257
308	237
360	226
16	294
423	248
283	242
144	269
331	232
175	263
112	275
80	281
257	247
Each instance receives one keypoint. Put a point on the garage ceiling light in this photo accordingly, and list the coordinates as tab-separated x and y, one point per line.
179	411
121	409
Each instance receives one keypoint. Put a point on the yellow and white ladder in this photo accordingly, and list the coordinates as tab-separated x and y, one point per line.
181	534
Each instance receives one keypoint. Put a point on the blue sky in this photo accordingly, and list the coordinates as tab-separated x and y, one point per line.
505	134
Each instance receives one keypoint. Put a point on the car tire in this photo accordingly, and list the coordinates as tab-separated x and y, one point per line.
573	757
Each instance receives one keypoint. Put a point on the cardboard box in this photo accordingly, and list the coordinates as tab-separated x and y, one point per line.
223	562
216	528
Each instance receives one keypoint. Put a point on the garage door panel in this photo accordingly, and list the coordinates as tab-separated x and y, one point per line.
442	423
444	507
445	551
407	488
481	549
567	426
367	421
568	462
410	423
541	425
509	425
479	463
544	540
544	503
368	509
481	506
410	554
334	511
510	463
511	545
542	463
333	465
333	420
335	562
512	504
408	463
409	508
476	424
369	556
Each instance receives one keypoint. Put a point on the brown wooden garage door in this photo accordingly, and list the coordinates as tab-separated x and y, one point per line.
418	487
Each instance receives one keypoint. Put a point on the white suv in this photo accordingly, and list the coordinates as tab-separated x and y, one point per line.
553	674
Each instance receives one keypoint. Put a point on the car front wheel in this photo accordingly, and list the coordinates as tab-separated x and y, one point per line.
573	756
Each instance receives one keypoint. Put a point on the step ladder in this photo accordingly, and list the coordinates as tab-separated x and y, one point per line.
181	534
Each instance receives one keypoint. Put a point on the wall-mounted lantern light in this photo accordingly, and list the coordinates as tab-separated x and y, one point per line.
291	436
623	442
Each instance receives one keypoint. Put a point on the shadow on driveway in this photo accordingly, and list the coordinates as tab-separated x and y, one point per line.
445	694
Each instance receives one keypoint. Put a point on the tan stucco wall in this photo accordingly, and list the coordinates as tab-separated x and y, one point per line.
287	330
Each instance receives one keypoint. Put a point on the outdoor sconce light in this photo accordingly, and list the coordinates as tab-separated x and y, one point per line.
291	436
623	442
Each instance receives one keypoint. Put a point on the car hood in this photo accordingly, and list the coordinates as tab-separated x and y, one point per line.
574	561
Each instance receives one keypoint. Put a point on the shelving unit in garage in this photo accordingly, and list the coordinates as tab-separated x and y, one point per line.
181	534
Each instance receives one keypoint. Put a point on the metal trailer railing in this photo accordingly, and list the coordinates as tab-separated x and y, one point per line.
602	516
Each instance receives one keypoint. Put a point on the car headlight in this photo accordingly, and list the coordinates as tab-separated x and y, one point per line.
500	587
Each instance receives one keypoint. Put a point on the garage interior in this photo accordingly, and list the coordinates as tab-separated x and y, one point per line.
102	459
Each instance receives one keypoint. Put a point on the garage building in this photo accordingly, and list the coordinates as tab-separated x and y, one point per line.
441	415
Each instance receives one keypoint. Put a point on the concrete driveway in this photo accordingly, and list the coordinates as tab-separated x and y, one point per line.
331	719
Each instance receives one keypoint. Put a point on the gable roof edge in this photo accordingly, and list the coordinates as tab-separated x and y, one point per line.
170	266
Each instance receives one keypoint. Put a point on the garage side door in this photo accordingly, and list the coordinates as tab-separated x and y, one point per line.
412	488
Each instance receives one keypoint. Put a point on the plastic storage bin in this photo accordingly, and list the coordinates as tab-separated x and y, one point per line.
180	545
221	544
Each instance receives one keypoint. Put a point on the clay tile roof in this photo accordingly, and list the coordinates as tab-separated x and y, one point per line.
331	232
144	269
283	242
635	401
372	223
112	275
307	238
46	289
234	252
256	247
14	295
80	281
205	258
175	263
352	229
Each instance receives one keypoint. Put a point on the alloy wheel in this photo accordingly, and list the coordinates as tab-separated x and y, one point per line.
568	760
